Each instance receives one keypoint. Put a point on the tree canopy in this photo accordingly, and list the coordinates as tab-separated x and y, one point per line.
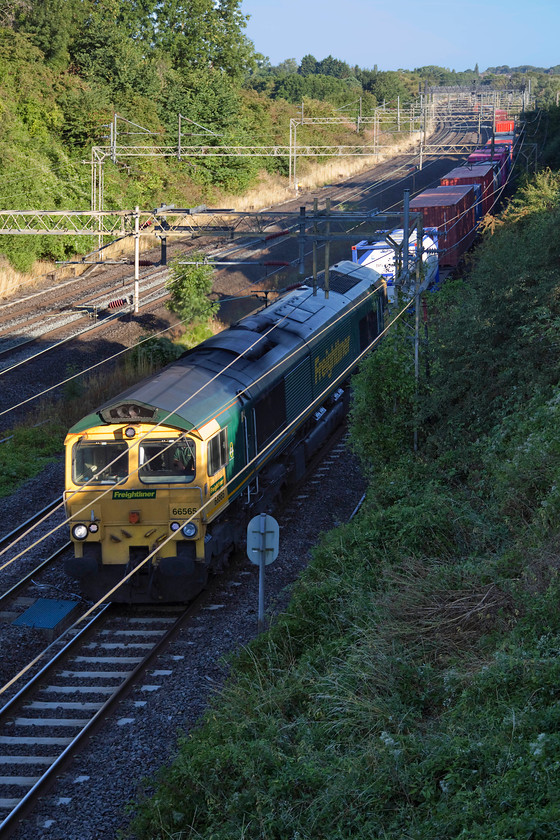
188	33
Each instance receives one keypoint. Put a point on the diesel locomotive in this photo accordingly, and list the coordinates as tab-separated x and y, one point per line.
162	479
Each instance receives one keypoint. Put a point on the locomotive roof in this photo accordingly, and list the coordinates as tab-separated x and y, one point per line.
236	365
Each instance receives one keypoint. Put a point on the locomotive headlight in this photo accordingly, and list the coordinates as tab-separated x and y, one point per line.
79	532
175	526
93	527
189	530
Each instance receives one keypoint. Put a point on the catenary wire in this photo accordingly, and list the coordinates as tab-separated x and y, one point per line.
136	443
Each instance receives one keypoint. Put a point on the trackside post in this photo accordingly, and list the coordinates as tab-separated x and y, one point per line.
263	540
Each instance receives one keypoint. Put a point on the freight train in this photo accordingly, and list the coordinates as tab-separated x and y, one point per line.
464	195
162	479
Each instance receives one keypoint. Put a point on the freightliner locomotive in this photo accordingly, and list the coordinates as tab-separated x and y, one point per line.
162	479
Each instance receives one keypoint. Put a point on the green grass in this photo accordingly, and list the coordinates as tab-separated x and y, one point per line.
389	701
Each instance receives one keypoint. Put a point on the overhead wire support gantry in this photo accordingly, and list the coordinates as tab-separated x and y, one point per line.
411	120
65	222
473	106
316	227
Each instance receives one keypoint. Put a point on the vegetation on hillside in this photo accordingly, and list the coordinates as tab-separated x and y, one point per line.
411	689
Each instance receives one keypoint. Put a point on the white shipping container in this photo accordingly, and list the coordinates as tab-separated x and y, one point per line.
381	257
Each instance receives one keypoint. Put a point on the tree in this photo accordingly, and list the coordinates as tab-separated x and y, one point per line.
330	66
189	285
11	10
51	25
308	65
388	86
203	34
287	67
103	54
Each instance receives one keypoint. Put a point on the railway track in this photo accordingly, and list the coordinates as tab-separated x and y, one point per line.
67	321
29	578
25	570
29	523
48	720
60	312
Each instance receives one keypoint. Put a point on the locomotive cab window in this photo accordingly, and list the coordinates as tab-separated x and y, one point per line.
100	462
217	452
170	461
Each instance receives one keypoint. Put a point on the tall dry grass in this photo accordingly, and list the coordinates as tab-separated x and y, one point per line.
274	189
11	280
270	190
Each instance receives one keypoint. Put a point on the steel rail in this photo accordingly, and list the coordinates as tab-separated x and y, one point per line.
31	521
96	721
73	642
5	596
23	693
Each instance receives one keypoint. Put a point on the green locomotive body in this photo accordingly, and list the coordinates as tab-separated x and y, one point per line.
161	480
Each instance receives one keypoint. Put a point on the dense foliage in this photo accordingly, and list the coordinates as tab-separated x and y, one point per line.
67	67
411	689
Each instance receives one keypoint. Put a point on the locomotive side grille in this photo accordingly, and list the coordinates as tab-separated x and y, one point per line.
298	389
270	413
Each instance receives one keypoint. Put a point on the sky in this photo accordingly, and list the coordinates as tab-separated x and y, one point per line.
402	34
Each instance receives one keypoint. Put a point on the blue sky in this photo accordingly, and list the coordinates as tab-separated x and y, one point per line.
406	34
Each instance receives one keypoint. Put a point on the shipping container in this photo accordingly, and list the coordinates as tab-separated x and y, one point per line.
499	156
451	211
502	140
504	127
380	255
484	176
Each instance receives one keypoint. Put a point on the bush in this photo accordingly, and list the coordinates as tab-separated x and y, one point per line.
189	285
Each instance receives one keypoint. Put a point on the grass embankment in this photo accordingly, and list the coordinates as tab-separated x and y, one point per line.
412	689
